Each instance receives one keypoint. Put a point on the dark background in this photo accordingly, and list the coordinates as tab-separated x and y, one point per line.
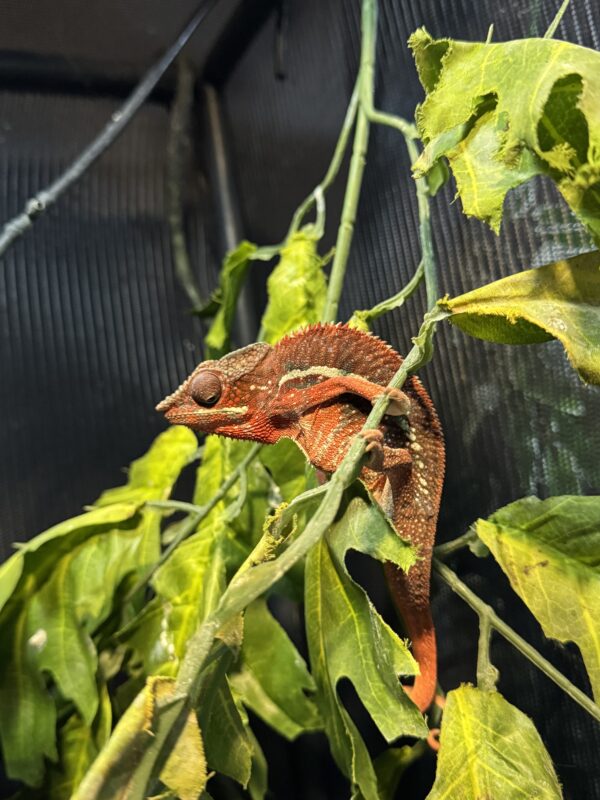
95	329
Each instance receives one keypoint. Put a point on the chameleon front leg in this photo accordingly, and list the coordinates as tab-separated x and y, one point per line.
292	402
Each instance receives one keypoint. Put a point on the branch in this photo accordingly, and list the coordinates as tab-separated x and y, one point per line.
494	621
45	198
197	514
178	159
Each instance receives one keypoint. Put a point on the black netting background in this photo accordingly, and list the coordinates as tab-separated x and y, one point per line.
95	330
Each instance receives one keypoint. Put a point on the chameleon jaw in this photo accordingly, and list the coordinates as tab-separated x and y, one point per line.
184	415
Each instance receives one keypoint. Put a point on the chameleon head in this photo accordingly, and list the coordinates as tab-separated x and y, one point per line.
216	397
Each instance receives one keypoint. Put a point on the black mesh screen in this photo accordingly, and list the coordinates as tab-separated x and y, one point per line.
95	330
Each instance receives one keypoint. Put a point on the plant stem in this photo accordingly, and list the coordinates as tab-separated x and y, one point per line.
357	162
391	303
487	674
484	610
427	255
178	158
45	198
556	21
334	166
444	550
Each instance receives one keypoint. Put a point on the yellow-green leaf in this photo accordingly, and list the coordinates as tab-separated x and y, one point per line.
502	113
274	681
550	551
185	770
559	300
297	287
489	750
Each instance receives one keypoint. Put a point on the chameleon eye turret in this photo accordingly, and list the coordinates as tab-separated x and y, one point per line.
206	389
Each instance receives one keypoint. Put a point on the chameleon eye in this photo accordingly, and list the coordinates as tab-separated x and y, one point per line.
206	389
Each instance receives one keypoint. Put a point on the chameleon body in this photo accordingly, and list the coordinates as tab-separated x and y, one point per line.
317	387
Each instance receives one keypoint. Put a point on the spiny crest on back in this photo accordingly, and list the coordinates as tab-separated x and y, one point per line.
341	346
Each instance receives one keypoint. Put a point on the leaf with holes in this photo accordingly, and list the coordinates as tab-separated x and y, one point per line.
560	300
550	551
490	749
348	639
502	113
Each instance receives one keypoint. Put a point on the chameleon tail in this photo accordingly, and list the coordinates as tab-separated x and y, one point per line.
413	604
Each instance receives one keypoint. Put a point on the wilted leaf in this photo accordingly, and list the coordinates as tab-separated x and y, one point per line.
273	680
65	588
490	749
502	113
550	551
297	287
560	300
122	769
185	770
224	301
348	639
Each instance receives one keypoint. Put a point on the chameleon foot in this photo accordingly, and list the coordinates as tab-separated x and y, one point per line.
399	402
433	740
374	439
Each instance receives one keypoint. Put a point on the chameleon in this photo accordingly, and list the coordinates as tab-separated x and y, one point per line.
316	387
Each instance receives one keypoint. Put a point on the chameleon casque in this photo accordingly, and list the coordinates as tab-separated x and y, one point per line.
316	387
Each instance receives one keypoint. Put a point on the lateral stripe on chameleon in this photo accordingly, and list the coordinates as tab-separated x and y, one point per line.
316	387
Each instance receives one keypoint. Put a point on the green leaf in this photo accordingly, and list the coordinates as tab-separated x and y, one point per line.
490	749
550	551
560	300
228	747
258	784
274	680
63	588
348	639
502	113
297	287
79	744
233	274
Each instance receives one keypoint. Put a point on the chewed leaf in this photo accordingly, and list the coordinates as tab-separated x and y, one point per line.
502	113
348	639
490	749
296	287
550	551
559	300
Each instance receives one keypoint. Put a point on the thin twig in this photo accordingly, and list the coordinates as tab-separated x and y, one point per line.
487	674
556	21
334	166
45	198
179	151
482	609
197	514
442	551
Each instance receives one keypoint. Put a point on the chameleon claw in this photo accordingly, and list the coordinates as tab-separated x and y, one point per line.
374	439
399	402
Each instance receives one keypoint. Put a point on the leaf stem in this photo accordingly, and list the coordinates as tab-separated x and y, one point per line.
393	302
442	551
484	610
487	674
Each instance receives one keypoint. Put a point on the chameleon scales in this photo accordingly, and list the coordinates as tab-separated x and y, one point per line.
316	387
